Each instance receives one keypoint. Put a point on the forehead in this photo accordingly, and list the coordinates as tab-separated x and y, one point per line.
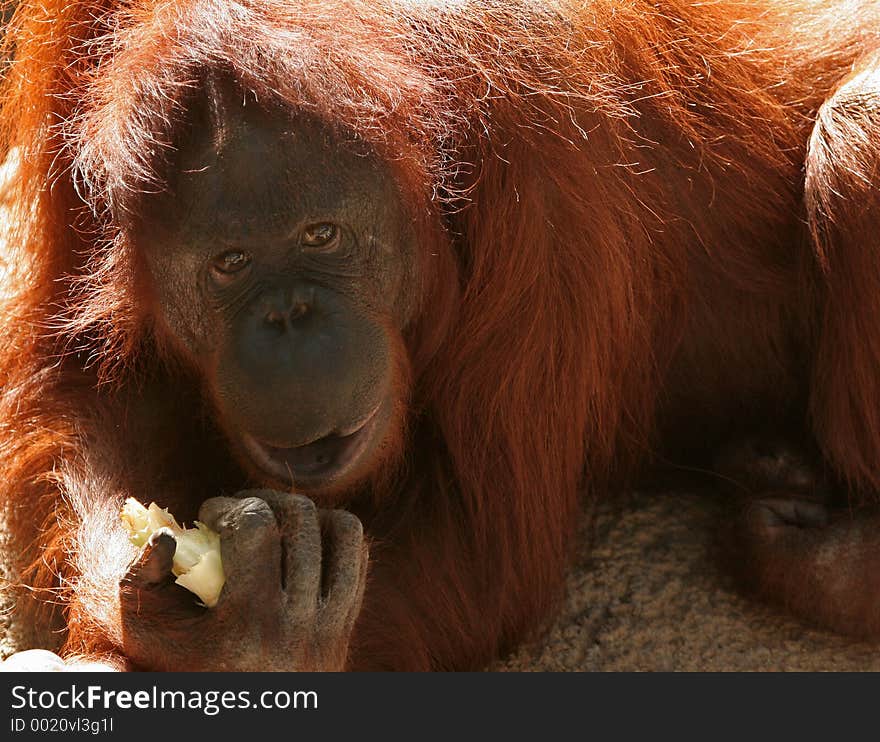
254	170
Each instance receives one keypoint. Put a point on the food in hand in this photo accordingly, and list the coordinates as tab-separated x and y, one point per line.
197	563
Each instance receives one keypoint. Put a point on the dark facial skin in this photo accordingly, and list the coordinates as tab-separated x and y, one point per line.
279	261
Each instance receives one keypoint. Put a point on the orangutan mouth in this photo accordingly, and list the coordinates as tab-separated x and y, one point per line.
319	462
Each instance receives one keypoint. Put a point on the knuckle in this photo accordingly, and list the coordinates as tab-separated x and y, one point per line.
249	514
304	506
213	509
221	502
265	495
347	525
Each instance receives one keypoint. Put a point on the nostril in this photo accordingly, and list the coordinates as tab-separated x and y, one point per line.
282	310
299	310
275	319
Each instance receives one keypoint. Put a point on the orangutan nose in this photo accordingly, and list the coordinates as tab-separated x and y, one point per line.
284	312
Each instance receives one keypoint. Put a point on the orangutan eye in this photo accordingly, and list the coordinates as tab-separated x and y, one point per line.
323	235
228	265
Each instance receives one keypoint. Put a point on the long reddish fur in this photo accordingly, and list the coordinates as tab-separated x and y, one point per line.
534	145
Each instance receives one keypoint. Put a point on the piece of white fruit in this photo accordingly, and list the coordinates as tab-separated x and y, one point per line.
197	564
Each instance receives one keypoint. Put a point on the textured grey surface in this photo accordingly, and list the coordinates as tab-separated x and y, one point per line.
648	596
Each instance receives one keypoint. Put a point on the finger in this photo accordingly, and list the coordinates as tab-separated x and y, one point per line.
301	542
153	565
345	570
212	510
250	547
782	512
